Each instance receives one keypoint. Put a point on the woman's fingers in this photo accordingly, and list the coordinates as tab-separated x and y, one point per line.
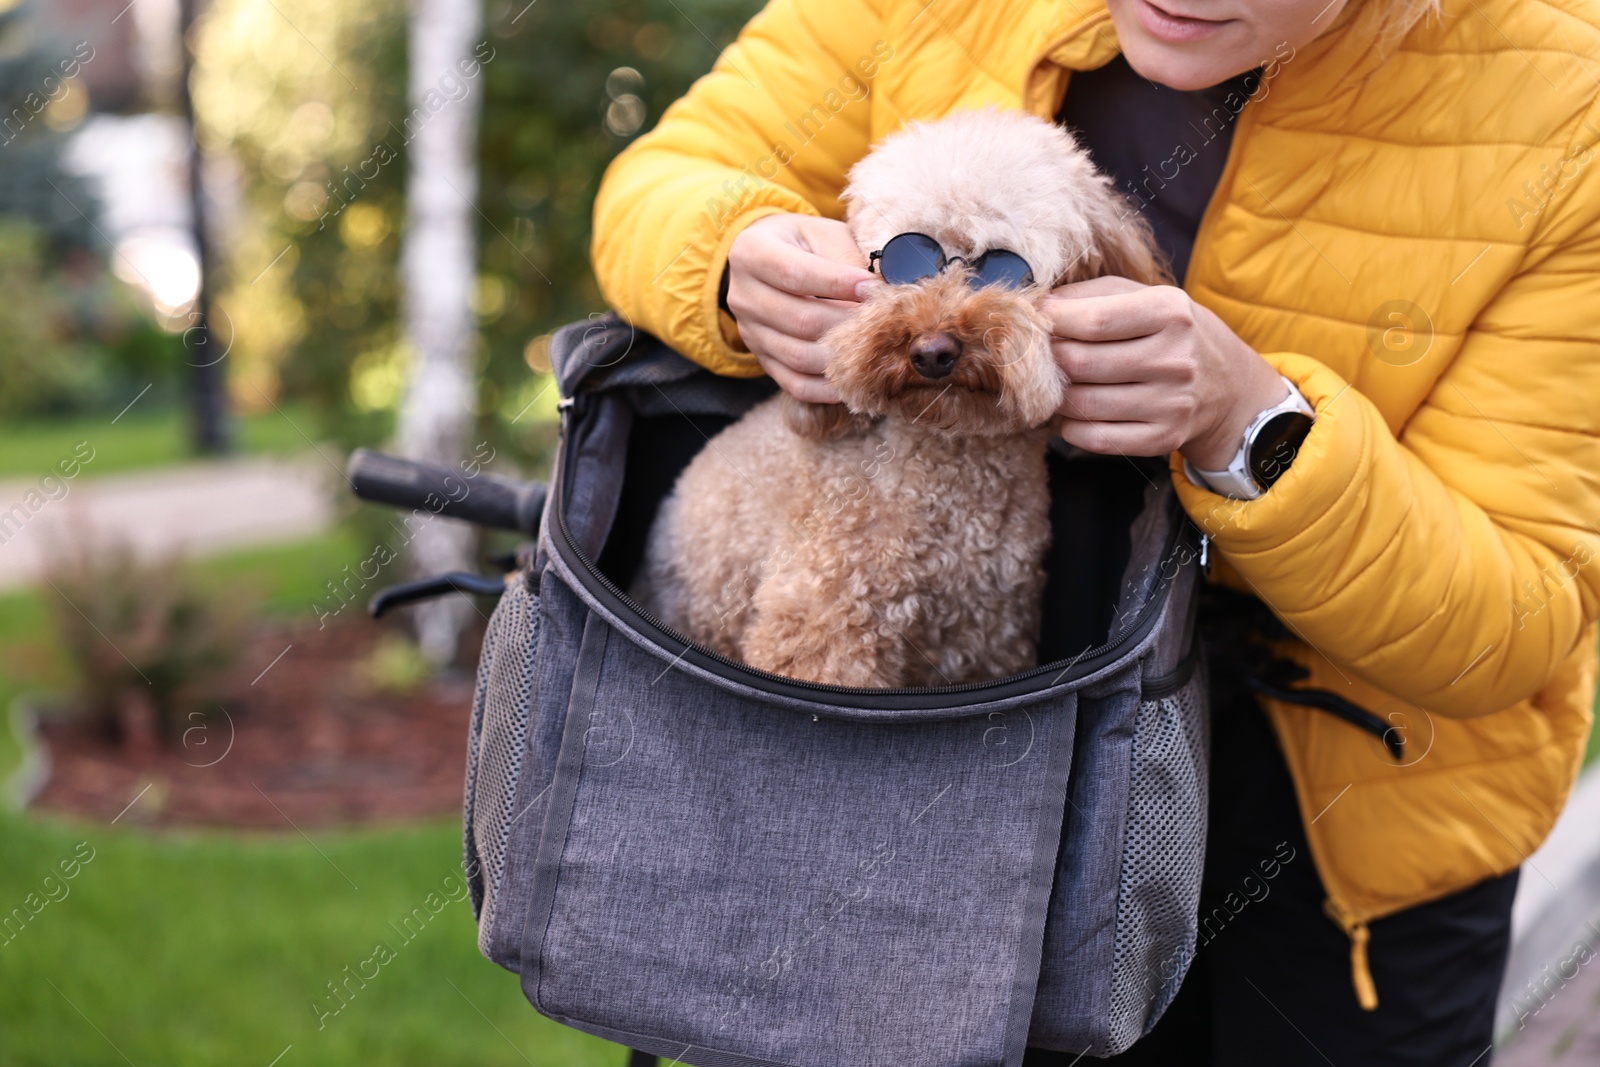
1116	316
1119	438
1106	362
831	240
800	255
1105	285
1125	402
807	359
813	388
805	318
792	278
808	274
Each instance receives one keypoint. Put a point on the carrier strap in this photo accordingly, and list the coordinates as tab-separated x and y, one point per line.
1323	700
1238	631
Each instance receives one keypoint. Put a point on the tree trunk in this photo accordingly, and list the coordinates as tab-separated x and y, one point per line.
201	351
438	269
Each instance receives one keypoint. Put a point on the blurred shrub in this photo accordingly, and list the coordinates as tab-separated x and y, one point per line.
148	641
396	666
71	336
39	373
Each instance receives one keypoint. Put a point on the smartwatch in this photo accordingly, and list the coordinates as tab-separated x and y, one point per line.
1270	443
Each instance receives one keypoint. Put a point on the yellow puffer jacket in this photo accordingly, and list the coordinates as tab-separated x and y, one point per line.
1413	238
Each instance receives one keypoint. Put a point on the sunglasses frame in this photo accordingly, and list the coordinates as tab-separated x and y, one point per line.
946	260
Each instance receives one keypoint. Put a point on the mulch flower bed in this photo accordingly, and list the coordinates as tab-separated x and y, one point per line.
304	740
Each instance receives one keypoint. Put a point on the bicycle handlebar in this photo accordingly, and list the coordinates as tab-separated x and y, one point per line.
483	499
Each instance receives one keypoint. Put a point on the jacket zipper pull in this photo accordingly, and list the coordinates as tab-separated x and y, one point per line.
1360	971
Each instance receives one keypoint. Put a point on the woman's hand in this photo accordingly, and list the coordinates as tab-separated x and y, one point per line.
1153	372
790	279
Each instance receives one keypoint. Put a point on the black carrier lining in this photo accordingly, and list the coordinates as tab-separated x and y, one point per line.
1094	501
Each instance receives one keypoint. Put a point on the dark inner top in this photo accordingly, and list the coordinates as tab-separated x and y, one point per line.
1166	149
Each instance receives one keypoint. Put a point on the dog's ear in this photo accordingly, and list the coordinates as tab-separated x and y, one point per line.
823	422
1123	245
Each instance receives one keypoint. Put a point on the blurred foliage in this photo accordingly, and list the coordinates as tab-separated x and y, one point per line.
310	99
146	639
39	372
396	666
570	86
295	91
72	337
33	184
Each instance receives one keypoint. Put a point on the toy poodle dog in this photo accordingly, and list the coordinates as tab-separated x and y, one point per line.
897	540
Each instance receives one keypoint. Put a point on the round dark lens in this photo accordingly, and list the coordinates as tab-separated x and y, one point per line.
910	257
999	266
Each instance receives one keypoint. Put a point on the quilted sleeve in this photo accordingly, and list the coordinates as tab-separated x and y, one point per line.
773	128
1456	566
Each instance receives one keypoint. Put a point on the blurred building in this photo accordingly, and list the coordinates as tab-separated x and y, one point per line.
138	167
115	77
131	147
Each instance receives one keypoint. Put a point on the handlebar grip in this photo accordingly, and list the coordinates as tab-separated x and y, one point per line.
483	499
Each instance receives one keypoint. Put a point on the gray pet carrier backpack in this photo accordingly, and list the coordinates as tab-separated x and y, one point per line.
723	866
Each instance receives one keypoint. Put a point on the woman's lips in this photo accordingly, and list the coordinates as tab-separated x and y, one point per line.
1166	26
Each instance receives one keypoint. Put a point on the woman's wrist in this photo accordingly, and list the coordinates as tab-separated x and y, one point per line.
1260	387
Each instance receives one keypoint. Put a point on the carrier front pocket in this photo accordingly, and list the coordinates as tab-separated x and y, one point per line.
715	869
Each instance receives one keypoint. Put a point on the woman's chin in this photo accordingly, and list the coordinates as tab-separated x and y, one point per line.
1183	54
1183	68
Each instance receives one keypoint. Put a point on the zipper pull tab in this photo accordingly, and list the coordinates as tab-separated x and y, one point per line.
1205	555
1360	971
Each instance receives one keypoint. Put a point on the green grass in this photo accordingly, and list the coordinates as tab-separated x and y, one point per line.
29	662
137	440
207	948
211	949
286	579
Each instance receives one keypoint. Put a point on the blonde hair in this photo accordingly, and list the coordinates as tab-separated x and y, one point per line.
1398	17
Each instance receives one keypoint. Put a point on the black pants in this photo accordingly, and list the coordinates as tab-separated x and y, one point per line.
1270	984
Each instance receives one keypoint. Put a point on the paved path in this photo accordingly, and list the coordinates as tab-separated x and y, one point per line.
1565	1031
1550	1007
198	508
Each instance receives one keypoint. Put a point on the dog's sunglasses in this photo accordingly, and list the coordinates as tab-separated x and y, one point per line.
910	257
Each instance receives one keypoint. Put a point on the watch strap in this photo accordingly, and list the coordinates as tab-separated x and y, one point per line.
1236	480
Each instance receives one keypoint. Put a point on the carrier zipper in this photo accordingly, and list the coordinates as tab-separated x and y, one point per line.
627	606
1359	935
768	681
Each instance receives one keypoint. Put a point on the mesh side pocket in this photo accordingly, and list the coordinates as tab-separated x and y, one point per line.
471	862
498	742
1158	891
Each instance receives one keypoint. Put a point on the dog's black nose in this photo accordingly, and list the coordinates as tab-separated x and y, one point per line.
934	355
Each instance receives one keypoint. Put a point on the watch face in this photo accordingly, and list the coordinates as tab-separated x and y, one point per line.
1274	447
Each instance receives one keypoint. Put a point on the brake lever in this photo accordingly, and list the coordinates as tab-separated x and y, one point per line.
438	585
